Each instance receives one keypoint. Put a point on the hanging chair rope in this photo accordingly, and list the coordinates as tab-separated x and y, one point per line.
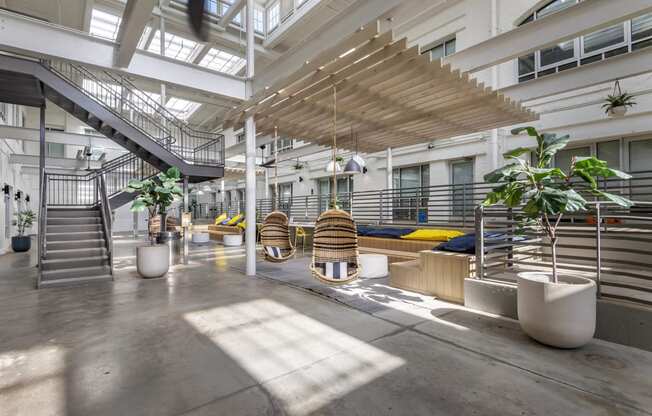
335	257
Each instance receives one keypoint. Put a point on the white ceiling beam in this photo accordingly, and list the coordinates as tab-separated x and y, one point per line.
231	12
202	53
580	19
32	37
88	14
609	70
134	20
53	162
71	139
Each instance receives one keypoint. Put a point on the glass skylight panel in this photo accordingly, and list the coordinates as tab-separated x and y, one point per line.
181	108
104	25
259	20
176	47
143	39
222	61
273	16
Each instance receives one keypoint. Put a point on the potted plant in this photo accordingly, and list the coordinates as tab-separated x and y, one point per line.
617	102
553	308
155	195
24	221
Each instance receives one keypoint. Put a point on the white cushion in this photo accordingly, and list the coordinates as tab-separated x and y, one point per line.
273	252
200	237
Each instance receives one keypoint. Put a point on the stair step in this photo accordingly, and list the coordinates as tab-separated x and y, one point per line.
75	244
74	273
73	213
74	253
74	236
75	280
74	220
80	262
73	228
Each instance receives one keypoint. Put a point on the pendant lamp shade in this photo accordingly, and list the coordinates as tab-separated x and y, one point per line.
352	167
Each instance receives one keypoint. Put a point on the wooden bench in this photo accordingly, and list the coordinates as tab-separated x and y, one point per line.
437	273
393	256
397	250
217	232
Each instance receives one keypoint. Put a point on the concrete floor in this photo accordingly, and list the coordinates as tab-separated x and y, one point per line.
206	340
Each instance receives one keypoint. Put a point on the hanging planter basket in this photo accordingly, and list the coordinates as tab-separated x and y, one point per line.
616	103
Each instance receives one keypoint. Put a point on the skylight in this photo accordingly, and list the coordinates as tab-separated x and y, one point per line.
104	25
176	47
181	108
222	61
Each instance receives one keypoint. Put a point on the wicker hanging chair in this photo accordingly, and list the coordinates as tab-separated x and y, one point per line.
275	230
335	257
275	238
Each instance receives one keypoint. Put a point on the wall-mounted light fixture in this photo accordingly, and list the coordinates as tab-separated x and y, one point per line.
300	178
27	198
17	195
5	189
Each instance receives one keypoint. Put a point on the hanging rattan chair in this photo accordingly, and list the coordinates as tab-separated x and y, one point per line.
275	238
335	258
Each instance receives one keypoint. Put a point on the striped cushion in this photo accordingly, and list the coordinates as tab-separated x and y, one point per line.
273	252
336	271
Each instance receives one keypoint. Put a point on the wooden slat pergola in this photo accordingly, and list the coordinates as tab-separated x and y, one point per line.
388	95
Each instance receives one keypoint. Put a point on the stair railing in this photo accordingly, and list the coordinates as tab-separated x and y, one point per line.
43	221
107	220
120	96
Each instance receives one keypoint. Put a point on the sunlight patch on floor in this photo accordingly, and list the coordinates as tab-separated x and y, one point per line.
270	340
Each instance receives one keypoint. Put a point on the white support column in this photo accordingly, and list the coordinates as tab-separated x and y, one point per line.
266	184
250	153
162	52
388	210
390	169
492	143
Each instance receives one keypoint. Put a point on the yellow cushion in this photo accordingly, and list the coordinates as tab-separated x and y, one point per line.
432	235
242	225
218	220
234	220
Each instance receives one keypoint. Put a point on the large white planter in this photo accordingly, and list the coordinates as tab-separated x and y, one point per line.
558	314
232	240
153	261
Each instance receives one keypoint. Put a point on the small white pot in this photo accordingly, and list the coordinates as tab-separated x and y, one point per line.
618	111
153	261
558	314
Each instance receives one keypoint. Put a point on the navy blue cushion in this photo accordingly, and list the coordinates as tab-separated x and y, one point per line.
466	243
383	232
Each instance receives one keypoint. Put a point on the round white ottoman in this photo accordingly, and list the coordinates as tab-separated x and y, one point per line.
199	238
373	266
232	240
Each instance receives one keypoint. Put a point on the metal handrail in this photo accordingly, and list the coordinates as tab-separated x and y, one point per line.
117	94
43	218
105	208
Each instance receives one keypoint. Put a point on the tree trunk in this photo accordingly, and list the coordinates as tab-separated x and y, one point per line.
553	246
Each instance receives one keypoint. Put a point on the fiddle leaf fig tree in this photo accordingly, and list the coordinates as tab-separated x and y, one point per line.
156	195
546	194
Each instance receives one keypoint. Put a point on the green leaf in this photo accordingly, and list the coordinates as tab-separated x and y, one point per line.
513	197
575	201
547	173
531	131
519	151
508	172
622	201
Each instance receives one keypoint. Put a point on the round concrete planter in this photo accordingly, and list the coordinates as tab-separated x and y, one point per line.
153	261
232	240
558	314
617	111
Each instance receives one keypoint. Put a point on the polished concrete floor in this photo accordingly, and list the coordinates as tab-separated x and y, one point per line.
207	340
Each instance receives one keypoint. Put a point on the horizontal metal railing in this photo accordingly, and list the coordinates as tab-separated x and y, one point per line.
82	190
140	109
607	243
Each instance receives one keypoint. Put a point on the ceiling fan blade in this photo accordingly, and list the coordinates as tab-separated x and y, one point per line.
197	21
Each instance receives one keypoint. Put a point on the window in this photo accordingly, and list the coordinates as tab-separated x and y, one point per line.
284	145
461	177
56	150
410	203
221	61
344	187
273	16
104	25
564	158
259	20
640	154
176	47
605	43
442	49
240	138
610	153
181	108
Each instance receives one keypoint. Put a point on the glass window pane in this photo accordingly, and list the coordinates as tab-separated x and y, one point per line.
642	27
526	64
462	172
604	38
410	177
610	153
640	154
437	52
554	7
561	52
564	157
450	47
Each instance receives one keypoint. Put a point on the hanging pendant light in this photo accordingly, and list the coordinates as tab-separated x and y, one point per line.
356	163
333	166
